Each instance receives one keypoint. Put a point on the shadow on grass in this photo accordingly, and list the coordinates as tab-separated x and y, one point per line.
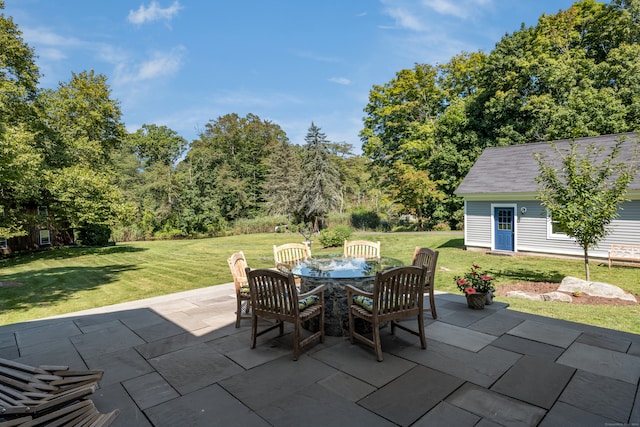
453	243
64	252
525	275
47	286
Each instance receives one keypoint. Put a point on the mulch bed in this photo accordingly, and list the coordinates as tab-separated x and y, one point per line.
545	287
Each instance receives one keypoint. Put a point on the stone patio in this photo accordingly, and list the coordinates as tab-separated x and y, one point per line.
179	360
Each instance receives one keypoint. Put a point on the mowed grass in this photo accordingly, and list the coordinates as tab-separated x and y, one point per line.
65	280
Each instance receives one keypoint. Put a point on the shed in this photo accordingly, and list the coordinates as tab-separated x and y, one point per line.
502	212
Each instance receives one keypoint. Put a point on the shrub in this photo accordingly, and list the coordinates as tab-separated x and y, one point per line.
262	224
332	237
94	235
337	219
441	226
458	219
364	219
406	227
127	233
168	233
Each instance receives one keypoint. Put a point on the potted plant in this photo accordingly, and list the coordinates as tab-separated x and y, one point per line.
476	286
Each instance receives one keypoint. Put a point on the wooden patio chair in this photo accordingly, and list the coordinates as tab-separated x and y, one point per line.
40	393
398	293
428	258
79	413
286	256
362	249
238	264
274	296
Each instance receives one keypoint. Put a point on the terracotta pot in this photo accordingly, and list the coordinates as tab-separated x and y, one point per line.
477	300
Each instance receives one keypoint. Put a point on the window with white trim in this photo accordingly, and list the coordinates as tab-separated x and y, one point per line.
45	237
554	230
43	210
3	243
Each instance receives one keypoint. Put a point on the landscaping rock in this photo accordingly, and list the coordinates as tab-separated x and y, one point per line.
525	295
573	284
556	296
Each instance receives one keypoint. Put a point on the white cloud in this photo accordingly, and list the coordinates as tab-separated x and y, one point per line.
340	80
153	13
46	37
459	9
420	17
159	65
405	19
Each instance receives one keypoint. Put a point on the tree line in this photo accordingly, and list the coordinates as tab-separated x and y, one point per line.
575	73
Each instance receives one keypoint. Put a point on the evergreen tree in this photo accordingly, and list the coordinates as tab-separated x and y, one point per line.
320	181
280	191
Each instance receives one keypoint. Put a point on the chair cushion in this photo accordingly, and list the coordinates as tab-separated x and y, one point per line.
364	302
308	301
244	289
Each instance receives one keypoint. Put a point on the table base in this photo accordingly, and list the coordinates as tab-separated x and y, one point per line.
336	314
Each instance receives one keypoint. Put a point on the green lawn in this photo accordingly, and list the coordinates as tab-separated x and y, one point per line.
65	280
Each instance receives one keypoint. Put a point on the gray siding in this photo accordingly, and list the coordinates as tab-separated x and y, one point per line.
478	224
531	229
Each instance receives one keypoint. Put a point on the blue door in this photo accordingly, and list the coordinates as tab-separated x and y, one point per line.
503	227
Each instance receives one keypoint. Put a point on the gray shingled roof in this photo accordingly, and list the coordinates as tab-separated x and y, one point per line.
513	169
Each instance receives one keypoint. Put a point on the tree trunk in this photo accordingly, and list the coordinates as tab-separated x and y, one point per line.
586	264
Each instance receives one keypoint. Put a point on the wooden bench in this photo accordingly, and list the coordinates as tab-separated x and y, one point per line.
625	253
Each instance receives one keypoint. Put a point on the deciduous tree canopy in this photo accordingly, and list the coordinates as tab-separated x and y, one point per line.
575	73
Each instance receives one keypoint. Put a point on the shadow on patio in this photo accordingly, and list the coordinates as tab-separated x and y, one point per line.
179	360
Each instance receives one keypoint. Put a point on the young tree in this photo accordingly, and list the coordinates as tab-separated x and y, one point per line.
583	188
320	184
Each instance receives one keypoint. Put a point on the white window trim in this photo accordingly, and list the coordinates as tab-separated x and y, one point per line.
3	243
515	224
555	236
48	239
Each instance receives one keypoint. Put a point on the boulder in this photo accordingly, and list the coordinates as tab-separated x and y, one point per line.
556	296
596	289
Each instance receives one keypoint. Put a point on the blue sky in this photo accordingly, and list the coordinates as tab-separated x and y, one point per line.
182	63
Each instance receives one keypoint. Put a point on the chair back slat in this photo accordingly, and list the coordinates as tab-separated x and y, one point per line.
290	253
272	291
399	289
361	249
427	258
238	264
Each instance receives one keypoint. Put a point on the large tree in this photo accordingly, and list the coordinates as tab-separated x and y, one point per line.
83	129
320	185
228	164
573	74
281	186
21	159
583	187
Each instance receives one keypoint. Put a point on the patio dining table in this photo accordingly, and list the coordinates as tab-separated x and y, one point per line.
336	271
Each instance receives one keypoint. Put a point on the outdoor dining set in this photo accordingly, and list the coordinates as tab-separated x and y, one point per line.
355	293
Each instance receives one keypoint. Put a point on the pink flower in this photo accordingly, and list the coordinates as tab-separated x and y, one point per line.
485	277
469	290
462	282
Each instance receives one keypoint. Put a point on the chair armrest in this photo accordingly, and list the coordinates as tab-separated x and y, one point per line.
352	290
318	290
